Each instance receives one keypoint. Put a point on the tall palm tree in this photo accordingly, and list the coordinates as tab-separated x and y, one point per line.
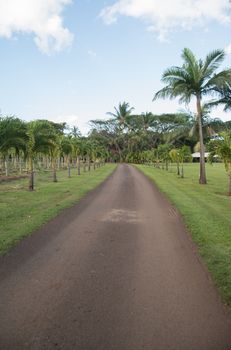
195	78
122	114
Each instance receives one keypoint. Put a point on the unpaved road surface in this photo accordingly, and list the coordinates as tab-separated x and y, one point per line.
115	272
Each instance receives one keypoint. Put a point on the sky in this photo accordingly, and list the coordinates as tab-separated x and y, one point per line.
74	60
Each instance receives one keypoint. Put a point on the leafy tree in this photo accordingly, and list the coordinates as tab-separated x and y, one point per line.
195	78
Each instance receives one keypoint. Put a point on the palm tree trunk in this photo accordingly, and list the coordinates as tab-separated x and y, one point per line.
202	179
20	165
69	168
182	170
230	184
31	176
78	162
54	171
178	168
6	166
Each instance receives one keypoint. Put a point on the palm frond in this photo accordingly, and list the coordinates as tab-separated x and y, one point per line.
189	58
213	61
166	92
218	81
174	74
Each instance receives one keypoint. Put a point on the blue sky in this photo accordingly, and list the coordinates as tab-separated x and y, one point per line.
75	60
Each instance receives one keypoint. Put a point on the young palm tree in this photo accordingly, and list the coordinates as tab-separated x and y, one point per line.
66	151
195	78
42	138
13	138
222	148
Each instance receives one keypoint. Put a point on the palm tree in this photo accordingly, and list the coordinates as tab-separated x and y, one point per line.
122	114
195	78
222	148
175	158
184	155
66	151
13	138
75	132
42	135
164	154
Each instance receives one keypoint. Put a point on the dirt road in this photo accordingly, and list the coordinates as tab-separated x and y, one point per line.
115	272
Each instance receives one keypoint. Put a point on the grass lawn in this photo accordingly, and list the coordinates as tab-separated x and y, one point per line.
206	210
21	211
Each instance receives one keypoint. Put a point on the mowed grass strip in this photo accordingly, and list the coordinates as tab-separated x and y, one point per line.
21	211
206	210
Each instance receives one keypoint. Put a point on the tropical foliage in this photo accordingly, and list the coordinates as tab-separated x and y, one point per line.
146	138
198	79
222	148
26	148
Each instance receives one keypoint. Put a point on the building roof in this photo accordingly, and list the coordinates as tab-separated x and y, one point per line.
197	155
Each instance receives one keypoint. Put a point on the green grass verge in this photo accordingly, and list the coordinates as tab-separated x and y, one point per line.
21	211
206	210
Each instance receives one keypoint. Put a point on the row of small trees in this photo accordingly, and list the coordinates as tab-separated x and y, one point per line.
163	156
44	144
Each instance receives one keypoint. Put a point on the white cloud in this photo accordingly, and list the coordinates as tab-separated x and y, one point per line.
162	16
42	18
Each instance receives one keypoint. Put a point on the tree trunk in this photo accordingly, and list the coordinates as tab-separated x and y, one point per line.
78	161
89	164
31	181
178	168
54	171
202	179
31	177
182	170
69	168
7	167
230	184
